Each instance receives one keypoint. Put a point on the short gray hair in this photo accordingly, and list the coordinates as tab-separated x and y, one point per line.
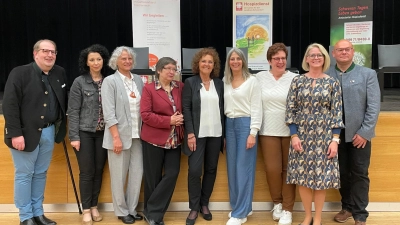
228	72
163	62
117	53
36	46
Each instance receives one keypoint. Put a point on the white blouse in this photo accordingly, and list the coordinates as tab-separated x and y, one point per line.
134	103
210	117
244	101
274	94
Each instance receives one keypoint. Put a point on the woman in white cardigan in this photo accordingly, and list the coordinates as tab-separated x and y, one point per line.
274	134
242	101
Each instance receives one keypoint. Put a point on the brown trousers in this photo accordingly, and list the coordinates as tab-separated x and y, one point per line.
276	151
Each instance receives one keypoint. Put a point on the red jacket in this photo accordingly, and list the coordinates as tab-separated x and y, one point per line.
156	111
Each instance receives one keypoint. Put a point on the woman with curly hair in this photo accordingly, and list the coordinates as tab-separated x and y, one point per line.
86	127
203	110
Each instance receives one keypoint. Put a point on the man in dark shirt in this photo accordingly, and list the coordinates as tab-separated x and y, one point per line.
34	111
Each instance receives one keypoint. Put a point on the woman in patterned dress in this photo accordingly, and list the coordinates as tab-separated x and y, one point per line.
314	116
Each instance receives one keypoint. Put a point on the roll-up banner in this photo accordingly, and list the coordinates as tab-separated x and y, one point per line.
252	29
156	24
352	20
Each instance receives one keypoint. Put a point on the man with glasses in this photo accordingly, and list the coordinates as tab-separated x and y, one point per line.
361	106
34	104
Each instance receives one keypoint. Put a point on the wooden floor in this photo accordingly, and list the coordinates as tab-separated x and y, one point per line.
219	217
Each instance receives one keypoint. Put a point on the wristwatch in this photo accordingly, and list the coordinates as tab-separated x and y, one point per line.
336	140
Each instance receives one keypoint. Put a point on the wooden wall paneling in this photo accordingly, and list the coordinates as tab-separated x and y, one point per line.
384	175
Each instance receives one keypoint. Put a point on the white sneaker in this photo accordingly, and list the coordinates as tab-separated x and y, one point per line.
236	221
286	218
230	213
277	212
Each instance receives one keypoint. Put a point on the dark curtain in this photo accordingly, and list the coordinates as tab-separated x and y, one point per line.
72	24
386	31
76	24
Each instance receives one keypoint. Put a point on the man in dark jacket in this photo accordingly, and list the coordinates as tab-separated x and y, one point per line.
34	104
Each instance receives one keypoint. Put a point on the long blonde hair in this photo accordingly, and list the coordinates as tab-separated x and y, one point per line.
228	72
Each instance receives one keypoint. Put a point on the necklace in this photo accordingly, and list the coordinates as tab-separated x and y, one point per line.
132	94
206	82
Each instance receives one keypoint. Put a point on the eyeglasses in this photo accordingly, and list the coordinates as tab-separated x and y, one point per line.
344	49
316	55
170	69
46	51
277	59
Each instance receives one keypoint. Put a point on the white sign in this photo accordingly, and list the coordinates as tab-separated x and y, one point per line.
252	29
156	24
359	33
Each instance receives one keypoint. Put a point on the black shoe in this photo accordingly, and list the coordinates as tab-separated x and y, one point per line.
311	223
152	222
127	219
42	220
206	216
191	221
137	216
30	221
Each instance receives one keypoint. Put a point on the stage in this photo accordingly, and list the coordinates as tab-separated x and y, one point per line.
384	174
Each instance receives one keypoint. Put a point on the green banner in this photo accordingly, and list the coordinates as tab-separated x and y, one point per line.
352	20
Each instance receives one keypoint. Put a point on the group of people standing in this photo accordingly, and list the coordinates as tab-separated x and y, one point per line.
142	128
304	137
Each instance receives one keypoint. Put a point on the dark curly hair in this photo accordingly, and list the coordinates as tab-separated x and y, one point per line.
275	48
84	69
203	52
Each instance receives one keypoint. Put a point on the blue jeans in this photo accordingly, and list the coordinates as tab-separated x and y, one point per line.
241	165
30	175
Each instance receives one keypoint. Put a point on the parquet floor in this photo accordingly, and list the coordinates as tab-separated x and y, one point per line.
219	218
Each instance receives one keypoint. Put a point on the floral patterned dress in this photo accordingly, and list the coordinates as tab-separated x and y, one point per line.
316	111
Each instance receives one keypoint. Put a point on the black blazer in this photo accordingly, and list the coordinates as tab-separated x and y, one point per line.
25	100
191	106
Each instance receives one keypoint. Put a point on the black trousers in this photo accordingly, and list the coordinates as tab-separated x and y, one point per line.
91	160
206	154
353	165
160	169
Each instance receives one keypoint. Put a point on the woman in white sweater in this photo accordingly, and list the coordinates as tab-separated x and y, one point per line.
274	134
242	106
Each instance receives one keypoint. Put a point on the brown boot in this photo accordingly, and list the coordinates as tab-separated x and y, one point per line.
360	223
342	216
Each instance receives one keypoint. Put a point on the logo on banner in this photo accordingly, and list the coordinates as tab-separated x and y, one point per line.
239	6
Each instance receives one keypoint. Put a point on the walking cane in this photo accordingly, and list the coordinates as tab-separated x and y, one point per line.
72	177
